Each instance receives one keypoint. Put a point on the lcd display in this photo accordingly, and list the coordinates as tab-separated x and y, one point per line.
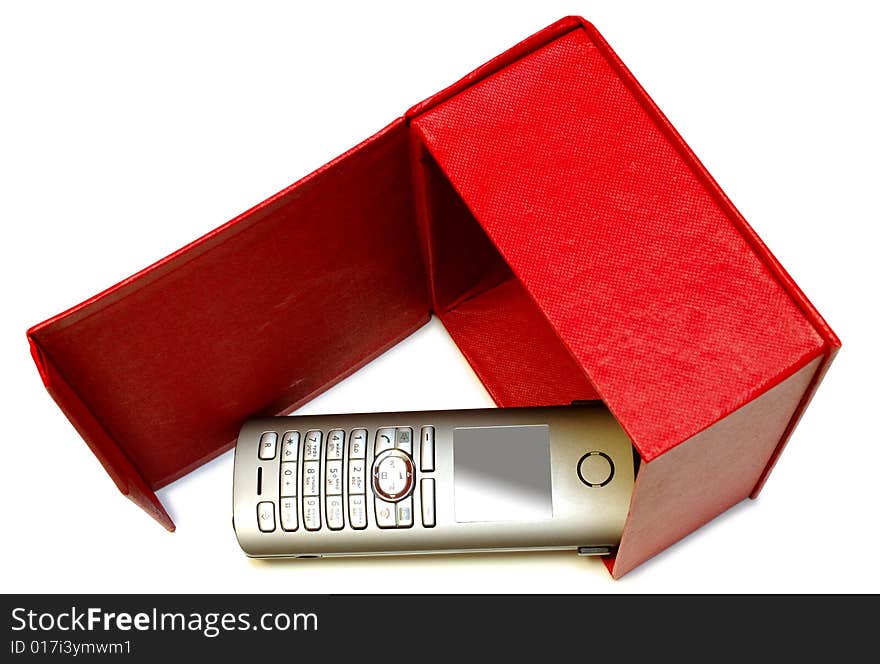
502	473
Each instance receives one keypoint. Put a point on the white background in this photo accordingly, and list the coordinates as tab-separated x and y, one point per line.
126	132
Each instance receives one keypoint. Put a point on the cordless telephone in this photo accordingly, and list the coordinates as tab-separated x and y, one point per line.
497	479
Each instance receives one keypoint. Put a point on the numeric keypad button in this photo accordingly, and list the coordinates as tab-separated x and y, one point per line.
289	517
333	478
357	476
357	444
335	444
290	446
357	512
311	475
335	510
312	513
312	446
288	479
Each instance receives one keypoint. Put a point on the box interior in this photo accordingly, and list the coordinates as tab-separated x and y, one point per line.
254	318
487	311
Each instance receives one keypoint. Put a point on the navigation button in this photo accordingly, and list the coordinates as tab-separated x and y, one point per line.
393	475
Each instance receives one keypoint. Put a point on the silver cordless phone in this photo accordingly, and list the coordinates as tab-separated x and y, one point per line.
432	482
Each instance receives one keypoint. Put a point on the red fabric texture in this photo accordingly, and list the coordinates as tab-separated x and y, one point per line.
634	262
256	317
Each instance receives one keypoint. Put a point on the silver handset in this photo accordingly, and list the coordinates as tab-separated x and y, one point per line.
498	479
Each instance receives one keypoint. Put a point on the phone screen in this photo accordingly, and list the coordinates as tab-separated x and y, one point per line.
502	473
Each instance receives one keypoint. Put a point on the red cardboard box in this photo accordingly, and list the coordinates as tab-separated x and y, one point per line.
547	212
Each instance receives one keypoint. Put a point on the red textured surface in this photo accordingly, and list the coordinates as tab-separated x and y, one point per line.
635	261
691	484
257	316
514	351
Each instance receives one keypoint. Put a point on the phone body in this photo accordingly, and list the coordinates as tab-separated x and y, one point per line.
498	479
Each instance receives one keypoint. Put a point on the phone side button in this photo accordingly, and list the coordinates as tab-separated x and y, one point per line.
429	518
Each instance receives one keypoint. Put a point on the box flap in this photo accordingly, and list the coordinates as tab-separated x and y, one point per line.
652	279
158	372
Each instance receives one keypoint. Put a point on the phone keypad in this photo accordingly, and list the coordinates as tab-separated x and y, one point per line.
289	515
328	478
311	475
312	512
357	476
335	444
312	447
335	520
290	446
357	511
357	444
288	479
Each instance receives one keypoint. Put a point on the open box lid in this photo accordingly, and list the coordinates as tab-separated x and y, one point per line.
158	372
657	286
